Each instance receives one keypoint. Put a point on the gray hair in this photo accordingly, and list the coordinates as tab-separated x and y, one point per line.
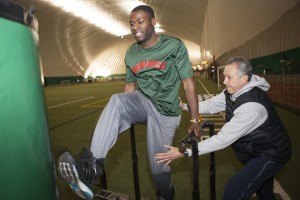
243	66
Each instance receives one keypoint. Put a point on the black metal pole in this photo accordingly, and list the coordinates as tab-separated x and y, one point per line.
212	166
103	183
191	139
196	192
135	164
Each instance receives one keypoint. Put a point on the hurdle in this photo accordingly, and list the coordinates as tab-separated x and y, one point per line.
193	141
135	164
190	139
105	194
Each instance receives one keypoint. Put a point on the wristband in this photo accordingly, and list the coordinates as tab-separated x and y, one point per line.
185	154
184	151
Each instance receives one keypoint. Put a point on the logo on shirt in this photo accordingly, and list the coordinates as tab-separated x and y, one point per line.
148	64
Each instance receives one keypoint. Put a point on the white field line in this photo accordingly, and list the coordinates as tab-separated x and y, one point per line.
70	102
203	87
279	190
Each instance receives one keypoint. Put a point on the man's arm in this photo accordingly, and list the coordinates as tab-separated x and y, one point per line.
129	87
247	117
213	105
191	96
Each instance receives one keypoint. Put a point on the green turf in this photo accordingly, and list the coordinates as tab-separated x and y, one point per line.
71	128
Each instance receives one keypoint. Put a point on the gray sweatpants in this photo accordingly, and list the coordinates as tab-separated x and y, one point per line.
120	113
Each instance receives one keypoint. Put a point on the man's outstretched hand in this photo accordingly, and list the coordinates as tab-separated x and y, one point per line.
169	156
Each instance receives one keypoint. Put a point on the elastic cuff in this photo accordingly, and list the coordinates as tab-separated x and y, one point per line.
190	152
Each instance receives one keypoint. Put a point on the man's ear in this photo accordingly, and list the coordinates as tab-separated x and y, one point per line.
245	78
153	21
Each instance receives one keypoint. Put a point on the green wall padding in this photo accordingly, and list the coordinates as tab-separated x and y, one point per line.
273	63
26	169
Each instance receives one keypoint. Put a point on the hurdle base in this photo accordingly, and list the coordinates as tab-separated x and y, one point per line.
109	195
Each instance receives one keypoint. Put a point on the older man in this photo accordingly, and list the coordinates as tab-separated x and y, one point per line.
253	128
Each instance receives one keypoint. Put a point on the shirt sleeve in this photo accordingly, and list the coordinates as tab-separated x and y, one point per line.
130	77
183	63
246	118
213	105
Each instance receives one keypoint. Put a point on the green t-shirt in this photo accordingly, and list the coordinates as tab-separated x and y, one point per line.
158	72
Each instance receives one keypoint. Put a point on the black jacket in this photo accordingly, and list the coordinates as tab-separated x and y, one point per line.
270	140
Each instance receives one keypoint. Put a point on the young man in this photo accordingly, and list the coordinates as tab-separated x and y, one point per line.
253	128
157	65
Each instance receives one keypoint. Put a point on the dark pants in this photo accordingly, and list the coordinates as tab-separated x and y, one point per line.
256	176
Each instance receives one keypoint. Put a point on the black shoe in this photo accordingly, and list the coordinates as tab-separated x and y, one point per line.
89	164
80	175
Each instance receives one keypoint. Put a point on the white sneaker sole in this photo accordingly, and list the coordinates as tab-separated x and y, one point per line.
67	170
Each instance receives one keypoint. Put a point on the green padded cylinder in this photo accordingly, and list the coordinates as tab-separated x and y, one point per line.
27	169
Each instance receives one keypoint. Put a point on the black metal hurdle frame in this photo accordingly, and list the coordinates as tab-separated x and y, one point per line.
193	141
102	195
189	139
135	169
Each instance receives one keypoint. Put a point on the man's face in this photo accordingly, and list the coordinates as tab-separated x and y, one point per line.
232	80
141	26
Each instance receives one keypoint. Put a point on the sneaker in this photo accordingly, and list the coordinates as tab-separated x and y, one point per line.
81	174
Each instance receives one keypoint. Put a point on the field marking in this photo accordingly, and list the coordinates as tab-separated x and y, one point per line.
70	102
90	105
78	97
203	86
279	190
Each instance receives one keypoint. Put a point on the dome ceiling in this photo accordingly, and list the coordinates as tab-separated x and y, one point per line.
71	46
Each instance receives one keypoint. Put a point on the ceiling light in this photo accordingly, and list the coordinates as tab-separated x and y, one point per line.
129	5
94	15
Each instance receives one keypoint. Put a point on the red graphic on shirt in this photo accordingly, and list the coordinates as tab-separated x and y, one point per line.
149	64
